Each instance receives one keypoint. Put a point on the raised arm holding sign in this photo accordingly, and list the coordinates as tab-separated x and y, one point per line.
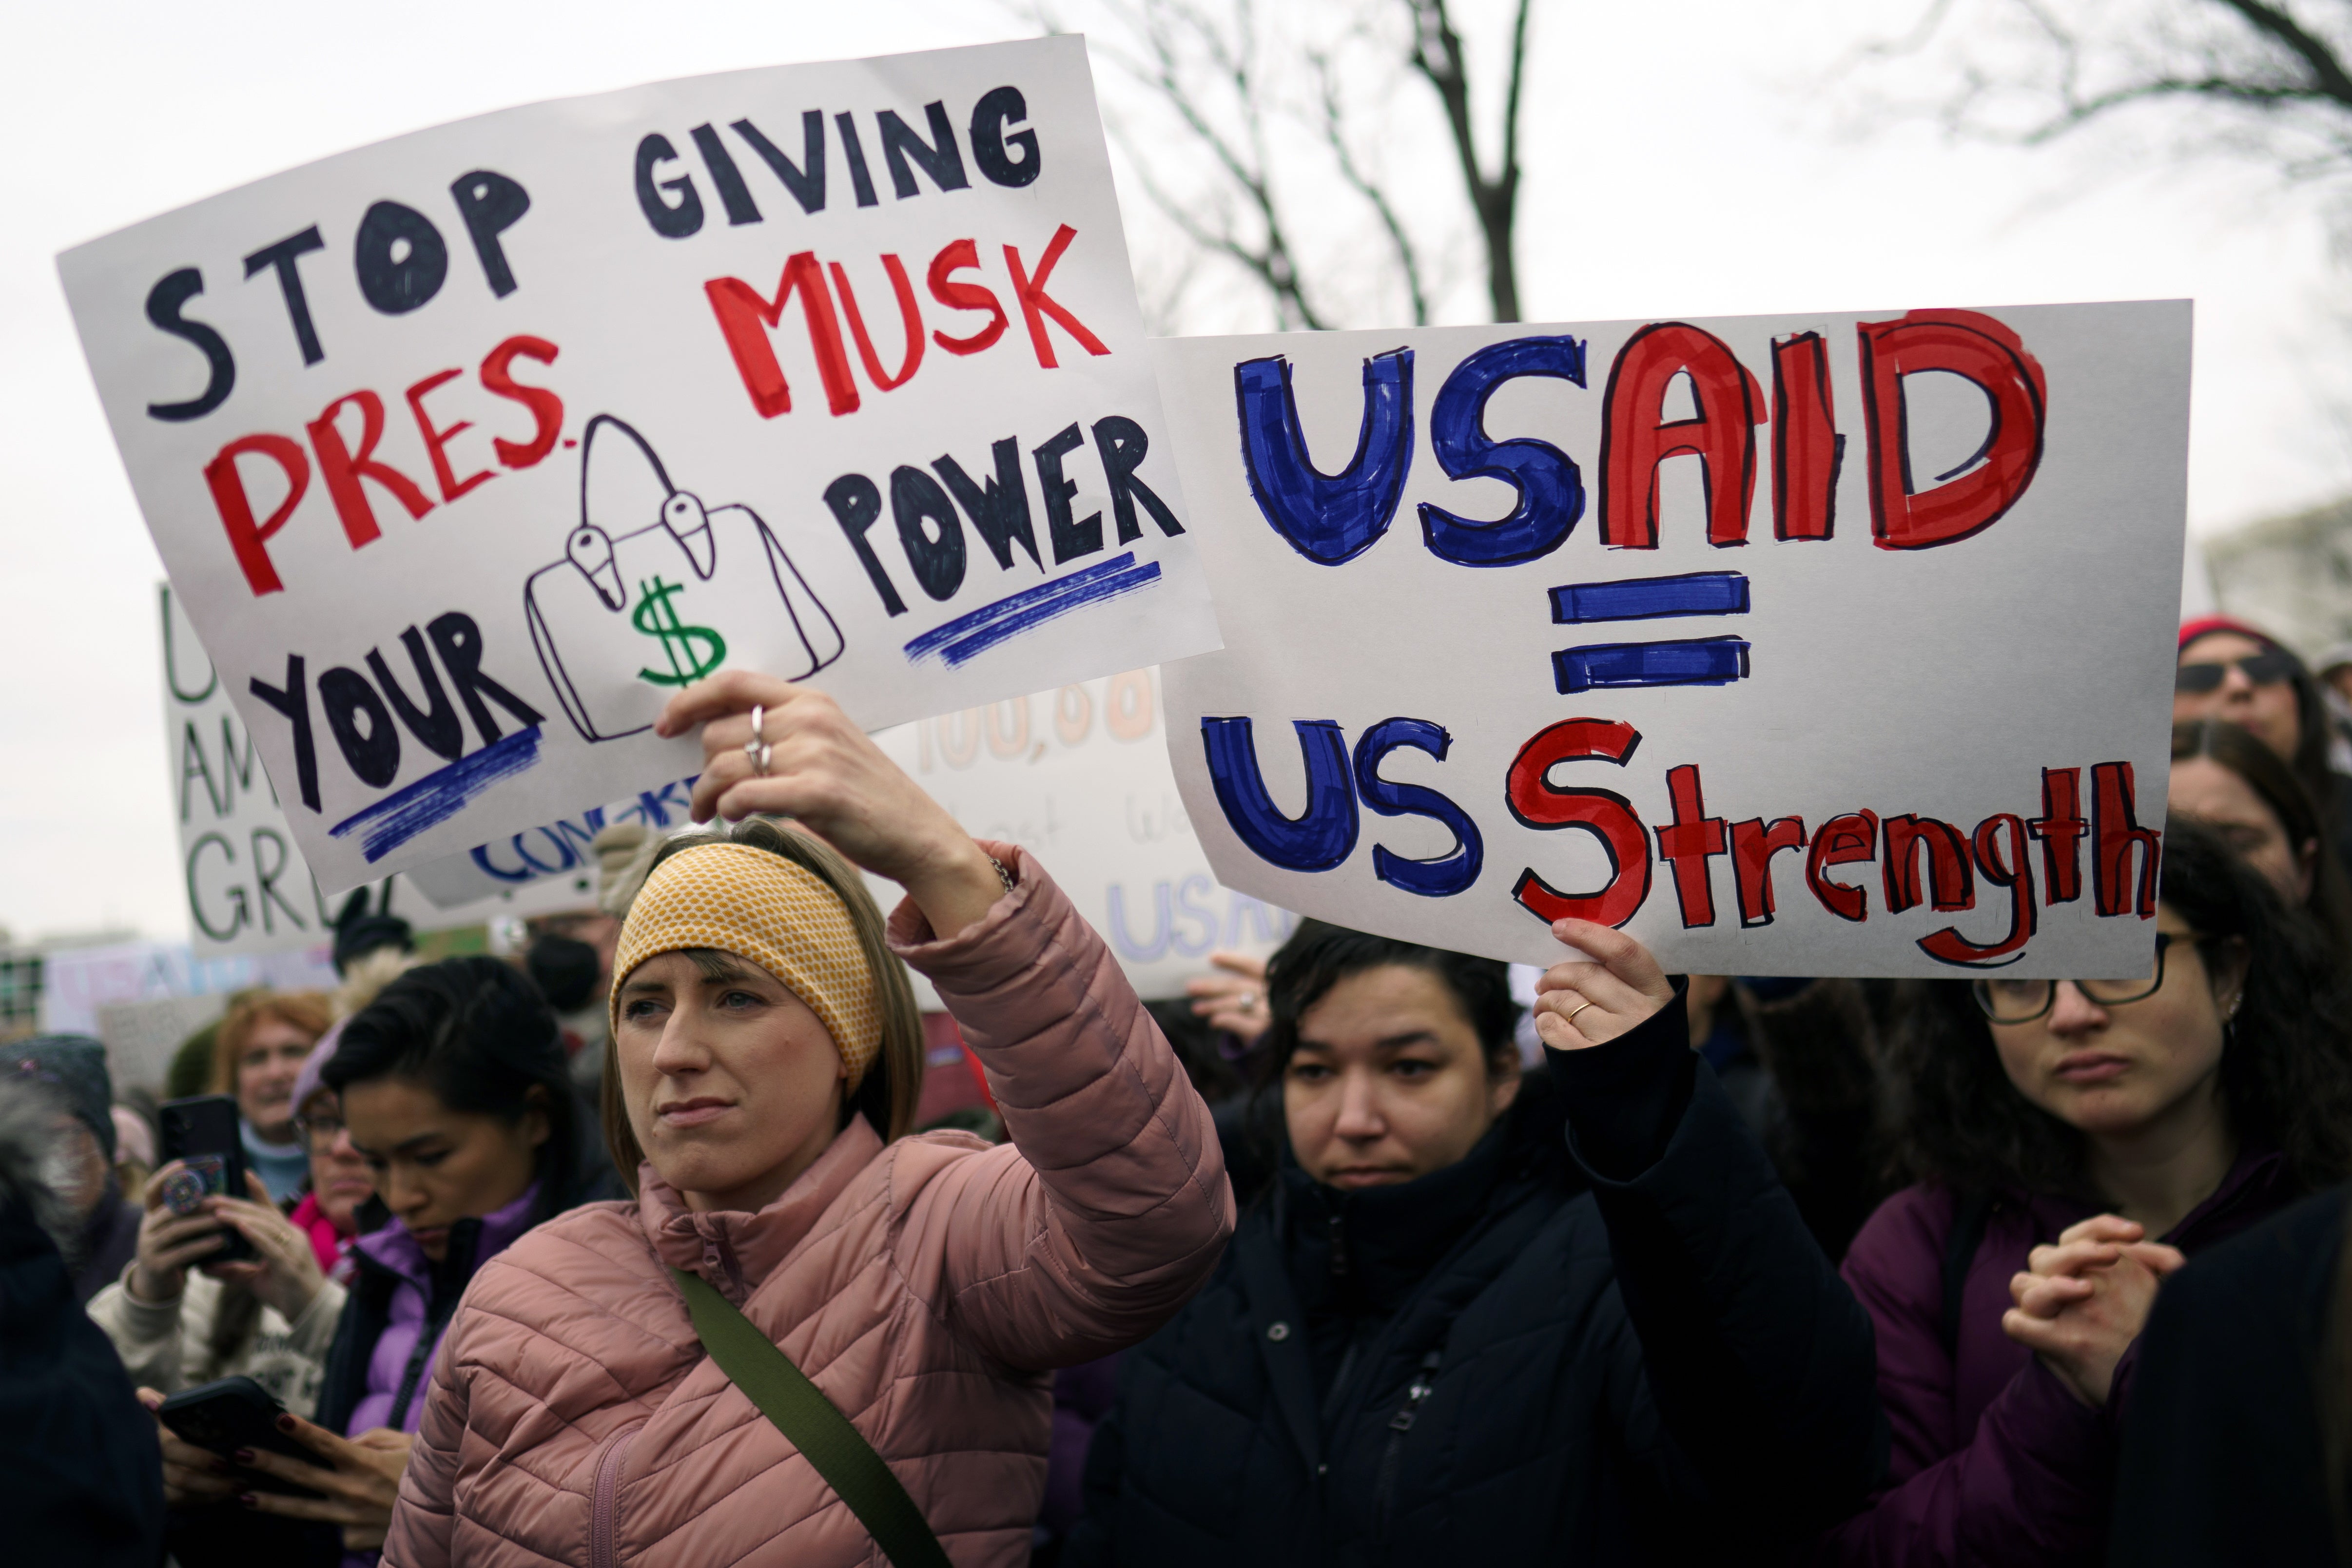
468	449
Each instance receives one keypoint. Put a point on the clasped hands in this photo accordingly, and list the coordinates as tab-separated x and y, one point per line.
2082	1302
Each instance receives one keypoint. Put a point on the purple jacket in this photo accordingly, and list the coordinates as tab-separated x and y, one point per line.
1993	1460
388	1364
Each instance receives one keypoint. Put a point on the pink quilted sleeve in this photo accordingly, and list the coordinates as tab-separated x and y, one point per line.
1110	1207
424	1519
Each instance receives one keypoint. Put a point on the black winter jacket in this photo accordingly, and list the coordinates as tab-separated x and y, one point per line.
82	1475
2225	1451
1518	1359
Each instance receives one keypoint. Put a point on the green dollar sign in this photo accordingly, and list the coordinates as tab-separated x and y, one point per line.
656	617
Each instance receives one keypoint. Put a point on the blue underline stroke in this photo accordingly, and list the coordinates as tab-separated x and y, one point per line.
437	797
1019	612
1693	662
1645	598
965	649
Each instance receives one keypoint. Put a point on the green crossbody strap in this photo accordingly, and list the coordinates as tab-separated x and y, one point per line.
801	1412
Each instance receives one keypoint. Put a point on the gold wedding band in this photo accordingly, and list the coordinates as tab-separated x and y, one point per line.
1570	1017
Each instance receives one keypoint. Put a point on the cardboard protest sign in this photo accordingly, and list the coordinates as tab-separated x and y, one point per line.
466	450
1080	778
247	888
1843	642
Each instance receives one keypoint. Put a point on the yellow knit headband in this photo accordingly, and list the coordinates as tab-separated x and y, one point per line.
755	903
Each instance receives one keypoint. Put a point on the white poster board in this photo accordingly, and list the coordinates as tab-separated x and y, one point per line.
466	450
246	887
1080	778
1843	642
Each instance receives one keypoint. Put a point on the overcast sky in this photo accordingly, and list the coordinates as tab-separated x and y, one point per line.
1684	157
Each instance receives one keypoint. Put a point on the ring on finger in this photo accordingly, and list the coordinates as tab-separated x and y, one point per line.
1569	1016
757	750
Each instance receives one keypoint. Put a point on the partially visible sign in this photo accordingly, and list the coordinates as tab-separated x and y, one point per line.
1078	776
77	983
246	887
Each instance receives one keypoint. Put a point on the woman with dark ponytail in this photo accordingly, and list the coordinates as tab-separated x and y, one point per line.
455	1090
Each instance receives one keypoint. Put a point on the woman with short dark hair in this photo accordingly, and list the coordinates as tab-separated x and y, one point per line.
453	1088
1568	1316
2071	1140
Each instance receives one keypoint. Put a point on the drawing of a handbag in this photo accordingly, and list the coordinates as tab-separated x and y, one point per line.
656	590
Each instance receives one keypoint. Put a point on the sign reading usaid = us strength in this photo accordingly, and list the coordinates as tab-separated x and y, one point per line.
467	450
1823	645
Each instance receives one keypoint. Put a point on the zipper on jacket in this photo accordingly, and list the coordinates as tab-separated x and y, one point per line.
437	1318
1339	1246
1425	1382
603	1519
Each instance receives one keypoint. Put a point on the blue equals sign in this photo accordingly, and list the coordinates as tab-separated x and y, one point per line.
1681	662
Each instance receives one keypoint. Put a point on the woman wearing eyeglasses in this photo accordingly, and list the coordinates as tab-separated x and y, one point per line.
2071	1142
2241	676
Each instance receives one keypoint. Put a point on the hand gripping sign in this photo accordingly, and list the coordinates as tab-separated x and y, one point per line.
466	450
1806	645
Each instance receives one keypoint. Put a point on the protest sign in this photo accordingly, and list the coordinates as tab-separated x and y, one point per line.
78	983
1856	660
246	887
466	450
1080	778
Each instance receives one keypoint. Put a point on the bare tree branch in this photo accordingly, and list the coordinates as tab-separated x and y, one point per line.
1224	78
2286	77
1437	54
1334	132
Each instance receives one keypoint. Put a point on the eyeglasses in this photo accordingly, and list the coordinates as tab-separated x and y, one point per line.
319	1130
2267	668
2022	1001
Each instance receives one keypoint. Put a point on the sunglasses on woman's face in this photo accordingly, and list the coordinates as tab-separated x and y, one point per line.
2266	668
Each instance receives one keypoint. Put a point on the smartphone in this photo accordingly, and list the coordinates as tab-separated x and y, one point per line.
203	1132
231	1414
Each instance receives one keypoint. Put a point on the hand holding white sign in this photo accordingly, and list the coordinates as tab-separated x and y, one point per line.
1584	1002
770	746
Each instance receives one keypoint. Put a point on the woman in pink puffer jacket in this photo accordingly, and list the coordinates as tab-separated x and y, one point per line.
765	1063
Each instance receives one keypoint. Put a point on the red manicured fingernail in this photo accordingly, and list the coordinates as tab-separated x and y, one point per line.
286	1423
246	1498
243	1456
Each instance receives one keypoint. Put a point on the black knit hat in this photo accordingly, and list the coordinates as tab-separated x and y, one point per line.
359	931
73	1068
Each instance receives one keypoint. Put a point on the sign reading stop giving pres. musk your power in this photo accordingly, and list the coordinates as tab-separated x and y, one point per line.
466	451
1841	643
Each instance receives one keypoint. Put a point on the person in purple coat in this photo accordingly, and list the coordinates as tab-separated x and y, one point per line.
2071	1141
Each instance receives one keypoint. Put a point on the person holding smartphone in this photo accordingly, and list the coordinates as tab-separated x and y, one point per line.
453	1090
180	1316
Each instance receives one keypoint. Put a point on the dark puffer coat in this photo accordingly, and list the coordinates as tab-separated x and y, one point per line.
81	1474
1604	1337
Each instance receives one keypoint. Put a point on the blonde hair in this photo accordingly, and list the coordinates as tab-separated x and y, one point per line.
305	1010
368	974
887	1096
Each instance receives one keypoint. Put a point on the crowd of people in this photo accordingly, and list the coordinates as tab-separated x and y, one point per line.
631	1251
